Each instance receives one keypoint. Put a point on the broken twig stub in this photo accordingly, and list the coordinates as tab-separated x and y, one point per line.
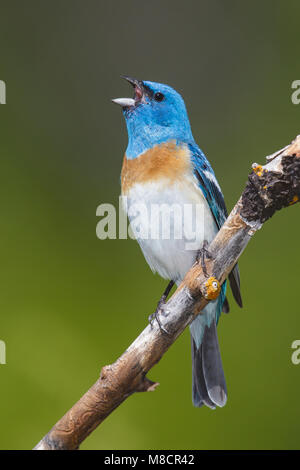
273	186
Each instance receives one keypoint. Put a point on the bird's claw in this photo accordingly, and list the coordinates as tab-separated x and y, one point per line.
202	254
155	316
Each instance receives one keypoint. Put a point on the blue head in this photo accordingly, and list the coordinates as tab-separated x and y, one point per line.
155	114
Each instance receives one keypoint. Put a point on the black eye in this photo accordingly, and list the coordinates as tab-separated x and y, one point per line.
158	96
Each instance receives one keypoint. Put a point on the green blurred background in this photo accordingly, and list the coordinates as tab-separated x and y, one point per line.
71	303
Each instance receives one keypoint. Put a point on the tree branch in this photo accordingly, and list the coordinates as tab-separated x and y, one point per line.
269	188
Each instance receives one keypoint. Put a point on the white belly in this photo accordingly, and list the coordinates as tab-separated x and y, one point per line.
170	224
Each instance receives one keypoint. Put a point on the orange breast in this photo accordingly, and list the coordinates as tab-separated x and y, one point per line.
165	161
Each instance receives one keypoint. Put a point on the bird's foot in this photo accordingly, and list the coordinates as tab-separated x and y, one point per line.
202	254
155	316
159	309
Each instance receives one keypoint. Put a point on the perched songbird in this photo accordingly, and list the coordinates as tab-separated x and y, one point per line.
164	165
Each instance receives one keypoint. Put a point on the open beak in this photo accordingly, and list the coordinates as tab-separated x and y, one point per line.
138	93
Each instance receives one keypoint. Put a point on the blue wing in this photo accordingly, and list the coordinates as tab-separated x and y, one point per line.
214	196
209	185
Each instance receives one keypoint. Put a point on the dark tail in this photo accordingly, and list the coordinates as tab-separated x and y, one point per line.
209	386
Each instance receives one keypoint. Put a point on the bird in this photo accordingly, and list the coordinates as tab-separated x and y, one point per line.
163	165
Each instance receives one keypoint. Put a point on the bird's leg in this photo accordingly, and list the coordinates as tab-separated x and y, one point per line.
161	302
202	254
164	297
